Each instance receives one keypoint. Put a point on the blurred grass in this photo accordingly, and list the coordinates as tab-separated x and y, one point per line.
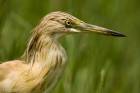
97	64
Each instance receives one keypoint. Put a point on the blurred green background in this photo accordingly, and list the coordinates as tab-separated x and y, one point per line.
97	64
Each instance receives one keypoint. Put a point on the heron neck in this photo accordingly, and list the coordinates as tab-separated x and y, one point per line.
45	50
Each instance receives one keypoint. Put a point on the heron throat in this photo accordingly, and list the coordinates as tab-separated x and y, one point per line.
45	50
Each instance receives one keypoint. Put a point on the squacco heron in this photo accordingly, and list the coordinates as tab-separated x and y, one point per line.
44	59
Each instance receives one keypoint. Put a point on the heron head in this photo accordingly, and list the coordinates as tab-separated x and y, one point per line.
60	23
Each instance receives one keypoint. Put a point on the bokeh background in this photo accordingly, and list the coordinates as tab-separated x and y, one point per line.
97	64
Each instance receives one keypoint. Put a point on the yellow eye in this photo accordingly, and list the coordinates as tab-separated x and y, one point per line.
68	24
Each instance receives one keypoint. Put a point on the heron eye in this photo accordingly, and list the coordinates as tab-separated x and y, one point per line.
68	24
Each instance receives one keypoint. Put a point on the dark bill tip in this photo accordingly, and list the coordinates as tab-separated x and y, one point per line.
114	33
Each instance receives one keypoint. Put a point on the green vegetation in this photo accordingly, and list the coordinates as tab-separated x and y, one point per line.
97	64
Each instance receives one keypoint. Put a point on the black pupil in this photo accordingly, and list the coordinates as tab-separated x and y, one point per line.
68	24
